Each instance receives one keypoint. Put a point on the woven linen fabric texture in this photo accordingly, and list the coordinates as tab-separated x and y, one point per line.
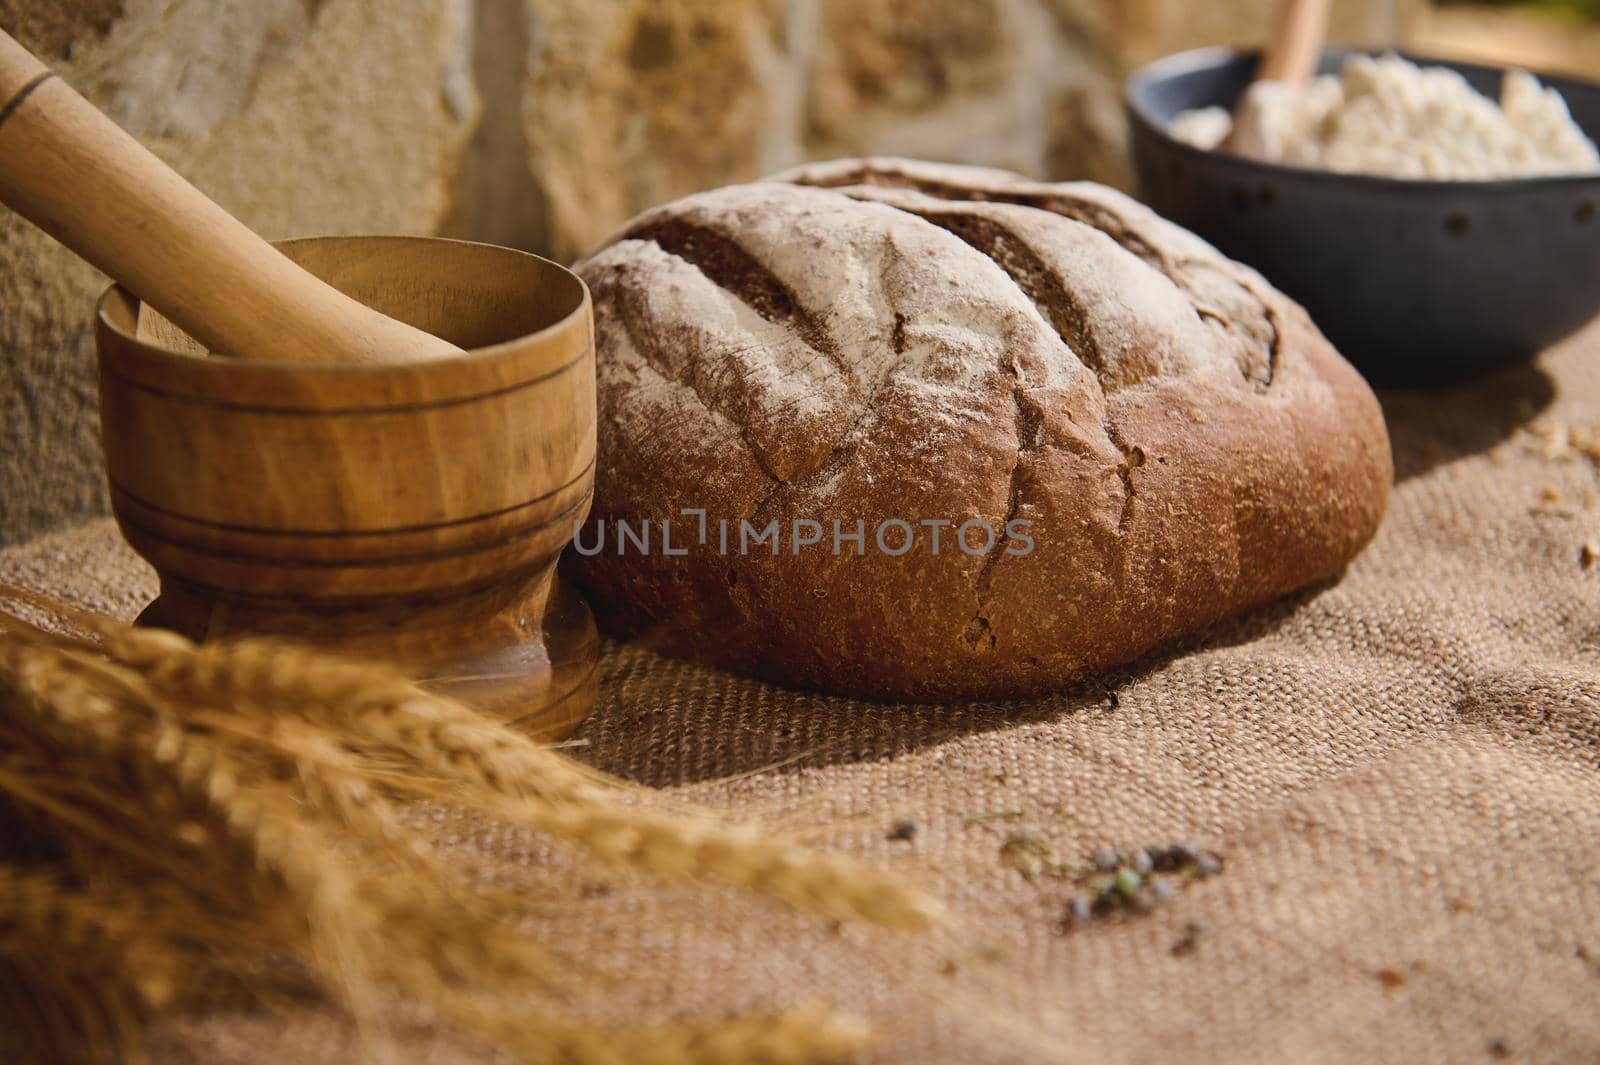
1400	769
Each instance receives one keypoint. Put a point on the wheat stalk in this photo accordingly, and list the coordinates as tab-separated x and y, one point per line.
669	846
119	933
447	738
193	837
281	831
554	795
799	1036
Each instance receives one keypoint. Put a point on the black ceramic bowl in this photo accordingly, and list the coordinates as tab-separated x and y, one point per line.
1415	281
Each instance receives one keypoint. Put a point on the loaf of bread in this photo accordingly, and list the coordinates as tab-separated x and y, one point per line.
928	432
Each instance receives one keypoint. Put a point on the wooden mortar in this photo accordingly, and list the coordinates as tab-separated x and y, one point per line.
409	512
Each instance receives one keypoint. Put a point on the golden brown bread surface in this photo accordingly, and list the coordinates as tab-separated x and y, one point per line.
1168	439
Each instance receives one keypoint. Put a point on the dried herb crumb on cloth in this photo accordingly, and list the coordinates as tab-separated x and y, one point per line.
1401	770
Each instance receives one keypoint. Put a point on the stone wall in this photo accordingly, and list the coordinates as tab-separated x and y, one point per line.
299	116
542	124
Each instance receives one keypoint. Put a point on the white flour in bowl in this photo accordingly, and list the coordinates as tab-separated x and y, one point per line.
1391	117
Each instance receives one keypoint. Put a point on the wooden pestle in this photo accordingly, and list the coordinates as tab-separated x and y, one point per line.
75	174
1289	58
1295	46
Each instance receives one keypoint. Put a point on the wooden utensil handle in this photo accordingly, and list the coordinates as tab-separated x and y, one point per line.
1295	46
74	173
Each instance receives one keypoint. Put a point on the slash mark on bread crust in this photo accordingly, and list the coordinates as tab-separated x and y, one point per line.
1028	423
1132	459
1060	307
627	313
1086	211
728	265
1257	375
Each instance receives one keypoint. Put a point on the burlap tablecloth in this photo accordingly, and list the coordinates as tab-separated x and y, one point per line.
1400	769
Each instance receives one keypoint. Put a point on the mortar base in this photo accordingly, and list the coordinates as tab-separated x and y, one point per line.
527	654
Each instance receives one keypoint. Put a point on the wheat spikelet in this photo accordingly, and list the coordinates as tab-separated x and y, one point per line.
450	739
116	932
372	700
278	826
95	960
379	913
369	930
279	832
679	845
670	846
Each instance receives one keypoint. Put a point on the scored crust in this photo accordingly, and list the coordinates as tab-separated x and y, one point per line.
870	340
